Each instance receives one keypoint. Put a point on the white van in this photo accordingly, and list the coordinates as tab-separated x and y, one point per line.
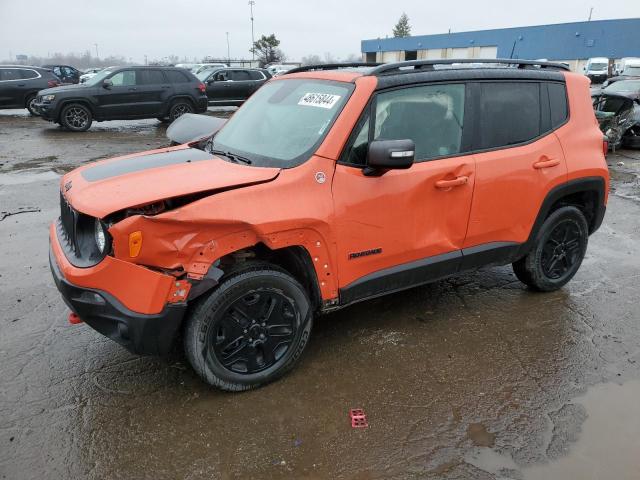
629	67
597	69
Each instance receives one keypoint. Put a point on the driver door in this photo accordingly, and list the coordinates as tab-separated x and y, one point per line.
219	86
404	227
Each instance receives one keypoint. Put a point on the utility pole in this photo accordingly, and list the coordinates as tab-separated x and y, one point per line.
590	13
97	56
228	54
145	60
253	40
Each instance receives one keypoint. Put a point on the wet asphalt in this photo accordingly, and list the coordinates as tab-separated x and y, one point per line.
474	377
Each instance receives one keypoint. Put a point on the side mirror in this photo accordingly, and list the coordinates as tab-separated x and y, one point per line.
210	81
107	83
386	155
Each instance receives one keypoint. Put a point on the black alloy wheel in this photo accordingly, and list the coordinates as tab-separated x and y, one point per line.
76	117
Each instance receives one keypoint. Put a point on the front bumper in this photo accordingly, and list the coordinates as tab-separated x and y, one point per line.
598	78
139	333
46	110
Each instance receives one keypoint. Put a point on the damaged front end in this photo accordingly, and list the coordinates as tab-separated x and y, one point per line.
616	115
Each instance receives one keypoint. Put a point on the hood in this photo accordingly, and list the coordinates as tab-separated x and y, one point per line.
108	186
62	88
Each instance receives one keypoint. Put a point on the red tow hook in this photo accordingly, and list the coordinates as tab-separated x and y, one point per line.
74	319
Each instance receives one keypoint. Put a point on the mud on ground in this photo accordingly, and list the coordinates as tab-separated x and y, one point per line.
472	377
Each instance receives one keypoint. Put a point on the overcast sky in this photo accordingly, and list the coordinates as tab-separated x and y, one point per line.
157	28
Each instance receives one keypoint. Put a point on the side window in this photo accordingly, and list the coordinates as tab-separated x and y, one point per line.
240	75
57	71
431	115
27	74
124	78
150	77
175	76
221	76
10	74
558	103
68	71
509	114
256	75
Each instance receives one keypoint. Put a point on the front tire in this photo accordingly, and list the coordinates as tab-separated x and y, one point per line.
250	330
557	253
76	117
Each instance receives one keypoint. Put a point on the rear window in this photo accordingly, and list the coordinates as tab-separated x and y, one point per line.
175	76
150	77
27	74
558	104
509	114
256	75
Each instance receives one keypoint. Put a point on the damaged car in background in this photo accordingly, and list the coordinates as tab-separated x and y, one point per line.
617	109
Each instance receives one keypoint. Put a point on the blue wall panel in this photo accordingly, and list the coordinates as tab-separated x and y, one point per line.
565	41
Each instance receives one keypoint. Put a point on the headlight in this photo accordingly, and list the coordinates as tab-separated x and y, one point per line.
48	98
101	238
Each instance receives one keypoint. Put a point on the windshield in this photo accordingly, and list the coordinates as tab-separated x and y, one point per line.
202	76
283	122
624	86
632	71
98	77
598	66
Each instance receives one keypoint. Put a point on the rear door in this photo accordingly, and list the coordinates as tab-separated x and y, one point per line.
242	86
519	158
405	227
154	91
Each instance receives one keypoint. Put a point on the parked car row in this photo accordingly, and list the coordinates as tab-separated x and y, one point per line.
121	93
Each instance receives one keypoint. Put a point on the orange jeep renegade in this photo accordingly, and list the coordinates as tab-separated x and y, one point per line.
329	186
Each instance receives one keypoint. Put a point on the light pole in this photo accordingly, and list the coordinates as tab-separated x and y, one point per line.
97	56
253	41
228	54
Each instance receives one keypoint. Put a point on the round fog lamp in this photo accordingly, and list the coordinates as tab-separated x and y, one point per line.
101	239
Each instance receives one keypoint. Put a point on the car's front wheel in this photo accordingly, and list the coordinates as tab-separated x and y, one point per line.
557	253
250	330
76	117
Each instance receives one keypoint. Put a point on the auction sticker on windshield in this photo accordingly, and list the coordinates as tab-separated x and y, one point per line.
322	100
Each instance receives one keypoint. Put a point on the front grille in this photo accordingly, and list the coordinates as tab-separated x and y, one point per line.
69	220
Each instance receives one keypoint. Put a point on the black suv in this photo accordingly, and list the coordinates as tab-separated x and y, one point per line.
124	93
19	85
232	86
65	73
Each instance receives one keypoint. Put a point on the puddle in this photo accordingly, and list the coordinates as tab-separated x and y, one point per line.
607	446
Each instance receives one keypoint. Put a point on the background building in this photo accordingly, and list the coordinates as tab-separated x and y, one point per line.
573	43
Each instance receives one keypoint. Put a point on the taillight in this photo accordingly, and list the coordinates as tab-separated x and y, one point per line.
202	87
52	83
605	146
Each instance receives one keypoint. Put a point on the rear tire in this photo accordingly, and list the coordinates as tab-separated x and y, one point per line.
76	117
178	108
29	105
557	253
250	330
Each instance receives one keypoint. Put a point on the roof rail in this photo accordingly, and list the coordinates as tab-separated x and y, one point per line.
331	66
399	67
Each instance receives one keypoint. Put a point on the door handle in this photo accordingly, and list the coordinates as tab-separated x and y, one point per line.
456	182
546	162
133	89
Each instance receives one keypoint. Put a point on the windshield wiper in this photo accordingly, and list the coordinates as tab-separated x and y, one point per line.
231	156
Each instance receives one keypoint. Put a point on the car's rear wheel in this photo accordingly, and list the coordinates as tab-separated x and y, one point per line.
178	108
76	117
250	330
557	253
631	138
31	100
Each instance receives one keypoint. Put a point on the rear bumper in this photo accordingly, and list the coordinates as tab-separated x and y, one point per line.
201	105
139	333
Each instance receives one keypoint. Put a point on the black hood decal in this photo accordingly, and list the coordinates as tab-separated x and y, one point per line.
143	162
